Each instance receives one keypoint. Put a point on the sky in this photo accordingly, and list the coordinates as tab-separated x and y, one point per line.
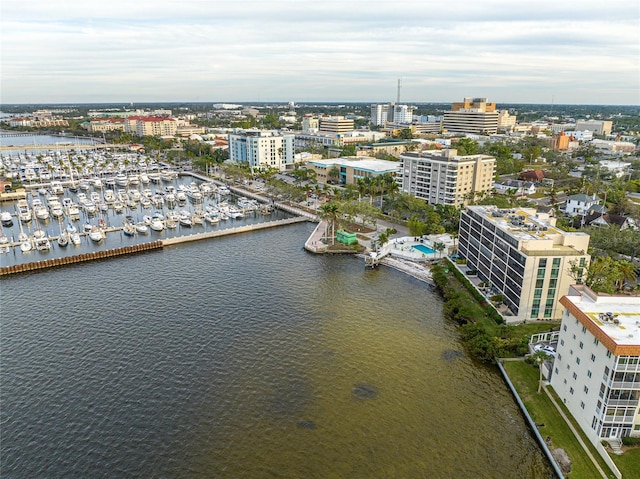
79	51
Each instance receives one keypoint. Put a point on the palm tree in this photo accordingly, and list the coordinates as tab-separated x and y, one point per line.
439	247
329	212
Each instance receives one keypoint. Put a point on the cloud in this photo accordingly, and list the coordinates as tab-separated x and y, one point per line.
284	50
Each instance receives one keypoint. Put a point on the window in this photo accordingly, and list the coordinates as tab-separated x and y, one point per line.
559	357
562	342
608	354
575	376
593	357
589	373
577	360
595	341
584	329
582	404
586	390
570	390
556	370
581	345
565	328
606	371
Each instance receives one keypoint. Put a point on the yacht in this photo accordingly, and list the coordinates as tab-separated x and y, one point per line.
128	229
56	188
96	234
6	219
24	212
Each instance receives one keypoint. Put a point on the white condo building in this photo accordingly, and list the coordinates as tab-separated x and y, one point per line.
520	254
596	371
262	149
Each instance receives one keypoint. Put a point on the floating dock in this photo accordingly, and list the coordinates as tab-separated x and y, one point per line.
141	247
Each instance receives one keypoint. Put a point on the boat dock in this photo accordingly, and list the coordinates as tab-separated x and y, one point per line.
141	247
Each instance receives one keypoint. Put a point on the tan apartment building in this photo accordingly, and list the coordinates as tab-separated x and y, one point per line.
441	177
520	254
150	126
103	125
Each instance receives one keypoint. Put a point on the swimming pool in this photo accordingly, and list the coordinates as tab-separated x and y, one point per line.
423	249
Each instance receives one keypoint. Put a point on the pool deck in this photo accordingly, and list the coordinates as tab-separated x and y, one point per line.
403	247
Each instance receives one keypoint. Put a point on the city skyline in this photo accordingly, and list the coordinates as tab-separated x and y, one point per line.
73	52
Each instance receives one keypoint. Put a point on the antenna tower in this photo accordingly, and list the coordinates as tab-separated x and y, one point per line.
399	88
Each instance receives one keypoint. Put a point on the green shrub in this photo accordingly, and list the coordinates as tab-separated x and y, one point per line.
630	441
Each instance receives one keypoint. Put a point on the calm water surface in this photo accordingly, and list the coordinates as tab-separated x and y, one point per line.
245	357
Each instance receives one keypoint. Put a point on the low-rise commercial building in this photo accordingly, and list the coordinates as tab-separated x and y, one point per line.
351	168
520	254
596	371
599	127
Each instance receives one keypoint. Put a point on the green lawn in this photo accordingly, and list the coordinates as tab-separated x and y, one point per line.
525	379
628	463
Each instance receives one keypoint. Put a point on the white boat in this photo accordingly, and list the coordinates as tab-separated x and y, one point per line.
128	229
25	246
63	239
181	196
74	212
96	234
185	220
71	229
156	224
121	180
88	226
142	228
6	219
109	196
42	242
24	212
145	202
196	219
56	188
75	239
144	179
118	207
97	183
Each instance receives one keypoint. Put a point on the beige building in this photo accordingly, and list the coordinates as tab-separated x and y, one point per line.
106	124
150	126
352	168
520	254
335	124
441	177
599	127
473	115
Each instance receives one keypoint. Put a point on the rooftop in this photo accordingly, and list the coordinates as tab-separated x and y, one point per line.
523	224
365	163
615	317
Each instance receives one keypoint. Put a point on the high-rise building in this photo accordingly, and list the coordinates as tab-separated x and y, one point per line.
262	149
596	370
335	124
520	254
403	114
381	113
473	115
441	177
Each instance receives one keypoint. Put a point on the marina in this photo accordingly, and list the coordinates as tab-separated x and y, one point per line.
82	204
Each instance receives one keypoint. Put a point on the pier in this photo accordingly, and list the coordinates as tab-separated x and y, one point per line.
137	248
